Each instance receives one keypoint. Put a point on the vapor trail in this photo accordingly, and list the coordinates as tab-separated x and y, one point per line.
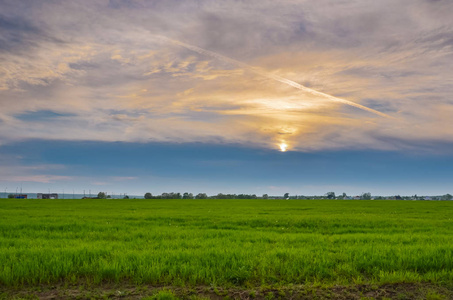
271	76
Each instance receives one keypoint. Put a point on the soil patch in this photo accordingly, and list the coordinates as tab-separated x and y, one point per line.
398	291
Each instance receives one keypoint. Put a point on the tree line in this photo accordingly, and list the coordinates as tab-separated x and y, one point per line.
328	195
199	196
172	195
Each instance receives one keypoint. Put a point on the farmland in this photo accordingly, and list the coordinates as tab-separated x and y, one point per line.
223	245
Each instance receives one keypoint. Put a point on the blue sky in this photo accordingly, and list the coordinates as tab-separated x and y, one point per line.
134	168
202	96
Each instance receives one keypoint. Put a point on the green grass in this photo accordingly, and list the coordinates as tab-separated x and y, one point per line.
225	242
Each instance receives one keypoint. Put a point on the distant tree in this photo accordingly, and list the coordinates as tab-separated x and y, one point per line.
366	196
330	195
244	196
201	196
11	196
286	196
447	197
221	196
265	196
187	195
126	197
148	196
171	196
108	196
101	195
343	196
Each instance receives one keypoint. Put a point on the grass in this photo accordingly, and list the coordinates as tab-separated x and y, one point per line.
225	243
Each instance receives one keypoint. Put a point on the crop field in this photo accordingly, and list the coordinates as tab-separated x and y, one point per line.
226	248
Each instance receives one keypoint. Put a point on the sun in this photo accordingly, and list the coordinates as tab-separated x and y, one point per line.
283	147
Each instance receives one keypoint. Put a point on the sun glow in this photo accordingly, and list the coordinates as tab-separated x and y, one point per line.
283	147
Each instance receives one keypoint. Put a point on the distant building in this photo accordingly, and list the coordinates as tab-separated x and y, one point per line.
47	196
20	196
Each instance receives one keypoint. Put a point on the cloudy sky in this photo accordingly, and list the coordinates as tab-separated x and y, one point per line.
203	96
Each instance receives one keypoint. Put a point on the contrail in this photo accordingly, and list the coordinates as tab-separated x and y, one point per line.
271	76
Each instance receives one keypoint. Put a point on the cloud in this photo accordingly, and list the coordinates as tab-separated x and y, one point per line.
105	75
38	178
119	178
12	170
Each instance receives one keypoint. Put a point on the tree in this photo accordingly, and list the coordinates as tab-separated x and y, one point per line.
126	197
171	196
187	195
201	196
101	195
286	196
265	196
366	196
148	196
221	196
330	195
447	197
11	196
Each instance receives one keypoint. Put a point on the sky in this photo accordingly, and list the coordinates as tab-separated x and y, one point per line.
304	97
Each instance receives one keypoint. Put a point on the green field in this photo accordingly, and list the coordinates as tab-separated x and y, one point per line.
244	244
